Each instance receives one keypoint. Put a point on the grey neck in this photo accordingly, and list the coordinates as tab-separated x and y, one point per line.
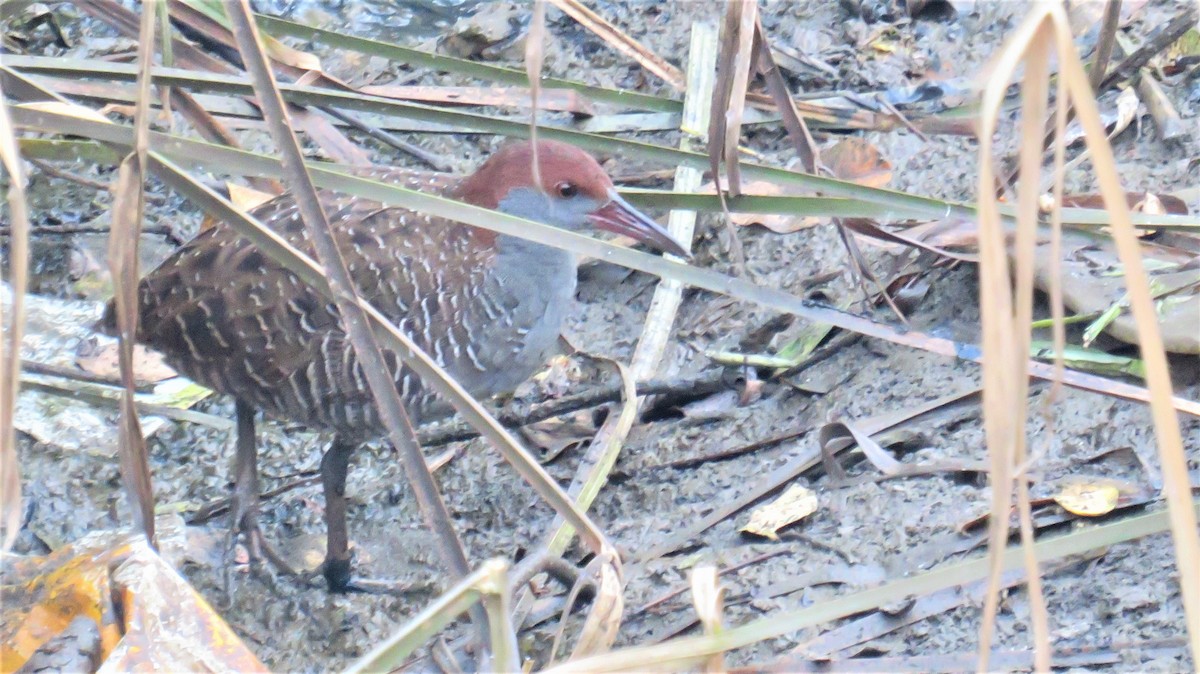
540	263
524	301
539	267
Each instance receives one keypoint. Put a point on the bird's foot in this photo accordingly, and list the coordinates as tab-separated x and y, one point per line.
340	580
245	528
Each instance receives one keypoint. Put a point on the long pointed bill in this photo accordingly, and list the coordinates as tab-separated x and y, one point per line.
619	217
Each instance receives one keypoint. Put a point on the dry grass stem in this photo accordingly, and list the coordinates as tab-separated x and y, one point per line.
13	329
708	599
127	213
1006	318
535	49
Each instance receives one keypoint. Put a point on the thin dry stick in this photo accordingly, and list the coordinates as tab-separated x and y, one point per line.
164	231
1104	44
743	60
383	389
76	374
802	140
724	110
387	138
700	384
534	52
51	169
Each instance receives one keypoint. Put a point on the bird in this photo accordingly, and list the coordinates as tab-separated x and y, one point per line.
488	307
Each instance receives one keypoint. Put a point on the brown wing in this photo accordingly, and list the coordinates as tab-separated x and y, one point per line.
227	316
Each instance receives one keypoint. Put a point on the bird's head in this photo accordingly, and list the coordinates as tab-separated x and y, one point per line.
575	193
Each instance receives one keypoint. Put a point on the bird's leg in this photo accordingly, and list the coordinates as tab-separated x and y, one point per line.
244	505
336	568
334	466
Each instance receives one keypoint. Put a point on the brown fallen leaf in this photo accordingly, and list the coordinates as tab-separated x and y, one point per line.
1093	281
794	505
858	161
247	198
558	434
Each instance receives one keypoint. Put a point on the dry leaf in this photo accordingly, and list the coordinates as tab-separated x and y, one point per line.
794	505
1092	282
858	161
1117	113
557	434
247	198
146	616
1088	499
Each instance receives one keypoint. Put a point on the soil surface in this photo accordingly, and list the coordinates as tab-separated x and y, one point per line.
864	531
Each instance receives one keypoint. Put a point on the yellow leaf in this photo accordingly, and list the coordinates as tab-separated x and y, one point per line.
1088	499
794	505
247	198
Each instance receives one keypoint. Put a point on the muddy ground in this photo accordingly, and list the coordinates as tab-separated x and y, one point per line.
860	534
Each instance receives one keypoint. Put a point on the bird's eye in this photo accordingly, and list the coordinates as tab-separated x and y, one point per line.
567	190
